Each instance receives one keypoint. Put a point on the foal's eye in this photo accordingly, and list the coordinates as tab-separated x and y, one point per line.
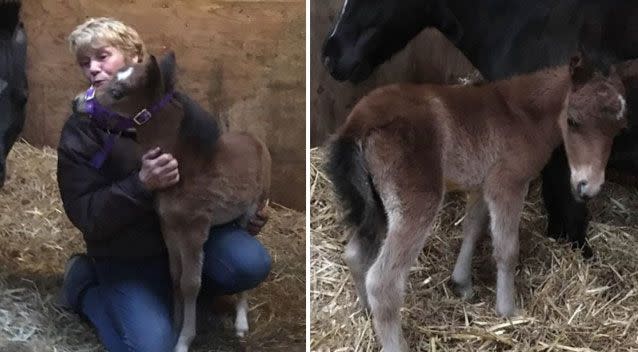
573	123
609	109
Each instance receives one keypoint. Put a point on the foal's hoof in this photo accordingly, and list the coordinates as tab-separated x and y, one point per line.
463	291
556	231
241	326
508	311
181	348
365	305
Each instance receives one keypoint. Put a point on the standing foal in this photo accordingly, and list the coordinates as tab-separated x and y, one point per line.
404	146
223	177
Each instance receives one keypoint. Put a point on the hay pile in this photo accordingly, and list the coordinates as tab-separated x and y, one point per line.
569	304
36	238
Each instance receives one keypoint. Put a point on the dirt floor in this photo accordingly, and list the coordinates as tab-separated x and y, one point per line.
36	238
568	304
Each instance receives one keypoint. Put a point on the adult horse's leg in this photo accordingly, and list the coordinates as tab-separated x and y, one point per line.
567	217
411	196
474	223
192	256
505	196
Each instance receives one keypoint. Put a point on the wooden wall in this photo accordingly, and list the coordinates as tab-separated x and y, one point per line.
244	60
430	57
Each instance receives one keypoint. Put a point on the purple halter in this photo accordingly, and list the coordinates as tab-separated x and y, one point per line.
115	123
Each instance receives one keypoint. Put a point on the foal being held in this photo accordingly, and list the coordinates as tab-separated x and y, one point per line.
223	177
404	146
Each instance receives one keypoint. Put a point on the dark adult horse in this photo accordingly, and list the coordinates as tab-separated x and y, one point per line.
502	38
13	80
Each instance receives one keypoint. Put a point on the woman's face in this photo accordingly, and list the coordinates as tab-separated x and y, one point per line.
101	63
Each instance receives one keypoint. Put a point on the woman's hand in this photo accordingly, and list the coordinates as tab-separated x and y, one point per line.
159	170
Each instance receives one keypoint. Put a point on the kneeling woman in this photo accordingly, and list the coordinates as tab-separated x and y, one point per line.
122	285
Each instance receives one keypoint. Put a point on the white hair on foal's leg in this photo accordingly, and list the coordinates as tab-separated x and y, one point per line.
241	320
474	223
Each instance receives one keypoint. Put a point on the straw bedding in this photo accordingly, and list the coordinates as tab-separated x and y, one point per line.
568	304
36	238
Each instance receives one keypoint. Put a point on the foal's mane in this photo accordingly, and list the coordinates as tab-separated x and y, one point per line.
198	129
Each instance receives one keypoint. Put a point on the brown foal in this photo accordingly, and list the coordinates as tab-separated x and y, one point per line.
403	146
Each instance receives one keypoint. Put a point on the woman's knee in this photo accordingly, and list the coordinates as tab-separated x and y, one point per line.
236	261
258	268
141	315
153	336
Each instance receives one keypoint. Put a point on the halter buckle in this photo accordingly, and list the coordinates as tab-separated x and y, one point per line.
142	117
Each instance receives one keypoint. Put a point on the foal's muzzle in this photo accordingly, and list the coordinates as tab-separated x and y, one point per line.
78	105
581	190
586	188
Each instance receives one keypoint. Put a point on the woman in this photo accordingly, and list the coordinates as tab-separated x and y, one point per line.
122	285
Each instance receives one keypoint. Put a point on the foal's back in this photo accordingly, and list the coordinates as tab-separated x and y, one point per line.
424	104
473	125
473	109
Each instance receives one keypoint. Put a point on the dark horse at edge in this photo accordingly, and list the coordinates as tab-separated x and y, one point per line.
502	38
13	80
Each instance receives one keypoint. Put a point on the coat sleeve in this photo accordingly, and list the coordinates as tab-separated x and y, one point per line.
100	208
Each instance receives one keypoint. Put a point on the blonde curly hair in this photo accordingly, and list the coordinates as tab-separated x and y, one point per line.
96	32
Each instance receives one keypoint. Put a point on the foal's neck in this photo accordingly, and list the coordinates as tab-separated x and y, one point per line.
162	129
541	97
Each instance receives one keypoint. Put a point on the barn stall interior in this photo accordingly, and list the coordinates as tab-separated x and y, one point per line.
243	61
570	304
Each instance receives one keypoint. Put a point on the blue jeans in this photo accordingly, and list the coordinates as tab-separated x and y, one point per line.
132	303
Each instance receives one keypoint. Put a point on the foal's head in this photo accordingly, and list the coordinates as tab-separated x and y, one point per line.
596	113
135	87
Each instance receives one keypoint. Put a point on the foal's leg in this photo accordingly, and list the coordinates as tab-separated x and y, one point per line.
175	265
241	314
241	319
360	253
411	195
474	223
505	202
385	282
192	255
171	234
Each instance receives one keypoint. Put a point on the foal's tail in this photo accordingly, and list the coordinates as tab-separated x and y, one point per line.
348	172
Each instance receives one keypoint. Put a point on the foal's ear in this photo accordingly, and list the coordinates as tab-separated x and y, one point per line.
580	72
575	62
167	68
153	72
